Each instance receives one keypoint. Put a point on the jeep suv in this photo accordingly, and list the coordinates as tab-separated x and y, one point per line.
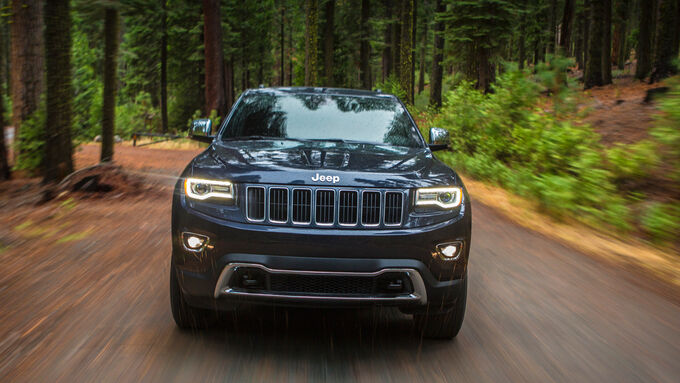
325	198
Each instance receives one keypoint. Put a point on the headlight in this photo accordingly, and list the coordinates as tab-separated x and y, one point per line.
203	189
444	197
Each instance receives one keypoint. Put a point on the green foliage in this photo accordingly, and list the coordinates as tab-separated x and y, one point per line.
391	86
136	116
667	128
662	221
633	161
31	142
504	138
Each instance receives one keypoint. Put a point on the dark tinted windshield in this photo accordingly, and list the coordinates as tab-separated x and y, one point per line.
322	117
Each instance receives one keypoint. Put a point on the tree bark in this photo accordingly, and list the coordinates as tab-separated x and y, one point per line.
387	49
311	42
594	64
421	66
565	33
282	47
414	31
619	37
579	25
229	82
406	64
214	59
111	31
664	51
27	59
58	148
553	26
522	44
643	52
164	67
607	42
437	71
329	42
364	47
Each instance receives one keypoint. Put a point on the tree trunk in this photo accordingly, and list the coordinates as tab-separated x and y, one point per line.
607	42
396	41
565	33
214	60
665	52
437	71
164	67
27	49
421	66
619	37
282	47
522	44
4	158
676	44
643	53
365	48
553	26
58	148
594	75
406	50
485	70
387	49
111	31
578	44
311	42
290	52
586	35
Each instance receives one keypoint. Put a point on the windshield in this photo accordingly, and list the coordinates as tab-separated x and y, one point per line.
322	117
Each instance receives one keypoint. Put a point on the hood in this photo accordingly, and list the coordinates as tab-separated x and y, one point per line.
321	163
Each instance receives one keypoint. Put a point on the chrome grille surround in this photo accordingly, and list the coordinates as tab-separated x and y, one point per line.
325	207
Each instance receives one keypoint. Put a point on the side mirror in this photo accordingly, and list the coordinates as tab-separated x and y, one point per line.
439	139
201	130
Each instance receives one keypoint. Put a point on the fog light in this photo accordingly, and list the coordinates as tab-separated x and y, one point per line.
450	251
194	242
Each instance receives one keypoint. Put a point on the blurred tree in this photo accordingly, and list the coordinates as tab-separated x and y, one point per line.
27	60
364	46
437	56
311	41
164	66
478	30
594	76
111	33
607	42
665	51
643	52
328	42
386	60
566	27
406	49
59	149
621	8
4	160
214	60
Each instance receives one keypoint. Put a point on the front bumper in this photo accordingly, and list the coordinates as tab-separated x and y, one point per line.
204	277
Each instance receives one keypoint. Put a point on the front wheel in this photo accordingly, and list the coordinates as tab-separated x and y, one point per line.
446	324
185	316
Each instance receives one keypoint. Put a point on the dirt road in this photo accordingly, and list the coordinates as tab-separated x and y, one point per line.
84	297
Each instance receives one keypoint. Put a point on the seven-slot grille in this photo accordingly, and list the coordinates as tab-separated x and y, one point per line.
324	206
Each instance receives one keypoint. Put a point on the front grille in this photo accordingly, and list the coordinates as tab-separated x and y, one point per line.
302	206
393	204
278	205
370	210
324	207
349	201
255	202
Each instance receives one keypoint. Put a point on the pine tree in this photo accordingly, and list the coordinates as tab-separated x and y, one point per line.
478	30
594	76
406	50
643	52
665	51
111	32
364	48
437	57
311	42
27	58
607	42
214	60
565	33
328	42
59	150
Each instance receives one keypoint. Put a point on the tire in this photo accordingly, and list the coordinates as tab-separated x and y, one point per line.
185	316
447	324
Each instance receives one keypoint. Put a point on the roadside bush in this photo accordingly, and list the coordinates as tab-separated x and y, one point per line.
504	137
137	116
391	86
660	220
